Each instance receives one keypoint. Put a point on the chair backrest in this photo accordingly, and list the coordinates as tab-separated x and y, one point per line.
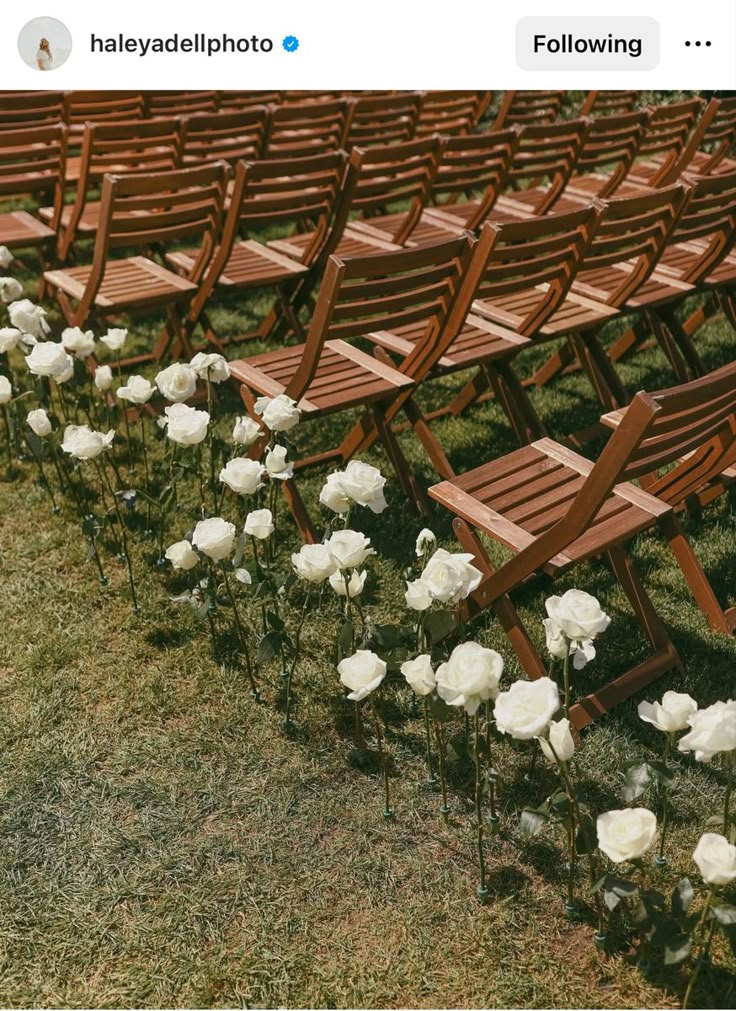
235	101
611	143
179	103
306	128
707	224
451	113
19	109
667	134
631	233
138	145
365	294
609	103
712	140
226	136
528	108
548	152
82	107
478	163
32	161
383	119
537	258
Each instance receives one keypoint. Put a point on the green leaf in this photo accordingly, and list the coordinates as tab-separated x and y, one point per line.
682	897
345	639
438	624
559	803
638	780
167	498
440	709
459	744
274	621
586	839
724	914
388	636
239	551
715	821
269	646
532	820
678	949
35	444
662	773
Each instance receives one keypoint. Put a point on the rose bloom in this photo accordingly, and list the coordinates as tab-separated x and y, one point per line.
669	715
10	289
6	390
47	359
242	476
82	443
626	834
39	422
115	338
712	731
559	742
103	378
6	257
426	542
214	537
9	338
181	555
185	425
66	373
526	709
313	562
349	548
354	586
471	676
29	318
716	859
559	646
362	673
363	485
78	342
137	390
280	413
450	577
419	675
177	383
246	431
210	367
417	595
333	496
259	524
578	615
276	465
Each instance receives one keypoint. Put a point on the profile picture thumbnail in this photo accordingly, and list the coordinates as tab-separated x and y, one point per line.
45	43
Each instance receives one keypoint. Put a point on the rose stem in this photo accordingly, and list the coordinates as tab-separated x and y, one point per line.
706	947
198	454
482	890
124	537
146	472
571	831
444	810
297	644
44	479
431	778
387	812
211	445
661	859
491	774
241	635
566	678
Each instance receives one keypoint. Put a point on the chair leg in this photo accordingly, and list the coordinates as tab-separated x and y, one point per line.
728	305
632	340
682	339
299	511
428	439
670	348
471	392
601	373
701	316
557	363
695	577
406	477
514	399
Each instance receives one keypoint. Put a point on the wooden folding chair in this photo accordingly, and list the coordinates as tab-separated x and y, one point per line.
25	109
298	129
712	145
451	113
383	119
237	101
528	108
179	103
147	211
141	145
327	375
688	461
665	139
224	136
609	103
82	107
32	164
554	509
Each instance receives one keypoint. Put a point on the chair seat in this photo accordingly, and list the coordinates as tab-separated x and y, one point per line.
479	341
251	264
88	223
453	215
518	497
601	284
19	228
678	260
352	243
426	231
576	312
344	377
135	282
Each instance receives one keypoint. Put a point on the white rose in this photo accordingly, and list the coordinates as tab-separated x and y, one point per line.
10	289
82	443
137	390
214	537
559	742
276	465
559	646
419	675
713	730
450	577
471	676
578	615
259	524
716	859
280	414
526	709
6	257
333	496
355	584
29	318
242	476
115	338
246	431
213	367
626	834
349	548
362	673
243	576
6	390
47	359
313	562
177	383
103	378
181	555
671	714
364	484
38	422
78	342
66	373
9	338
426	542
185	425
417	595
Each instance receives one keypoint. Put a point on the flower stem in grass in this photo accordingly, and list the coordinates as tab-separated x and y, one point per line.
566	678
482	889
241	636
295	660
727	799
661	860
8	442
123	536
444	810
387	812
211	445
431	778
44	479
574	821
200	479
705	951
146	472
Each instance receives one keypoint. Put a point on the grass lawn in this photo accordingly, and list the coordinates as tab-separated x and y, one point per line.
163	843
